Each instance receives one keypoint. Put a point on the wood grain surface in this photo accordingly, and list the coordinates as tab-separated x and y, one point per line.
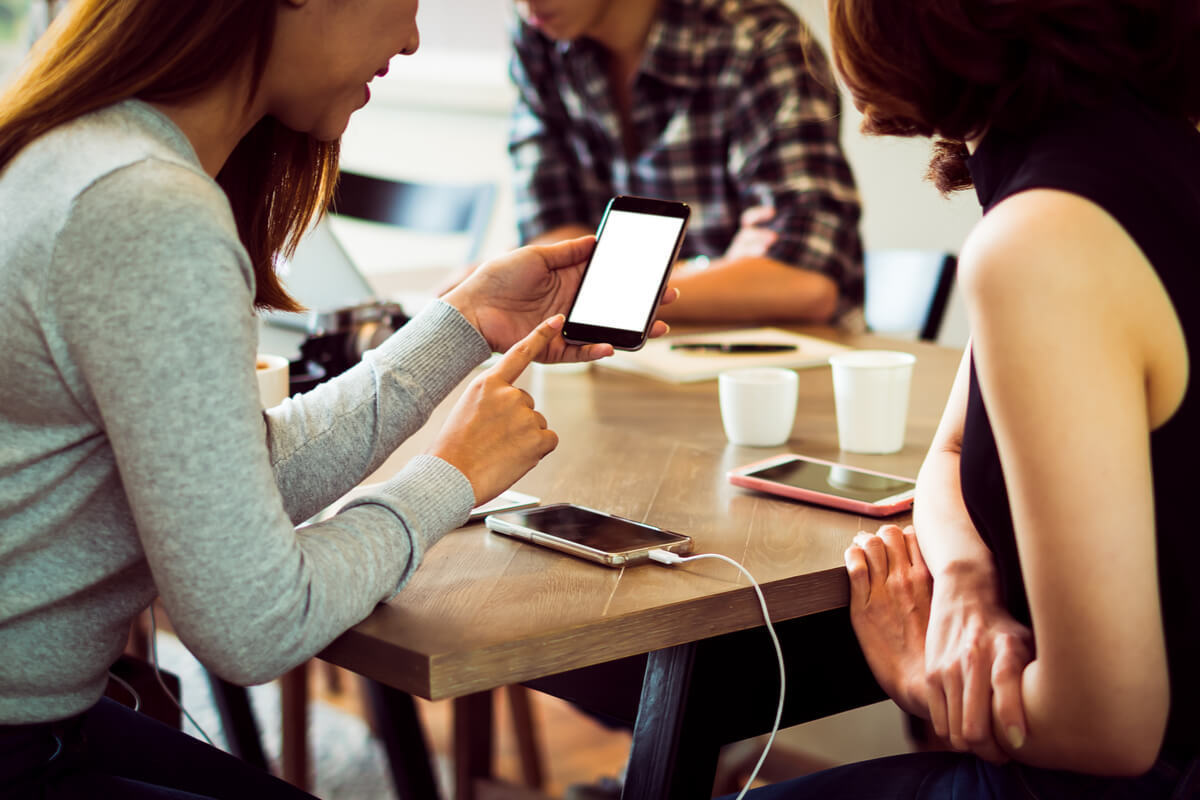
485	610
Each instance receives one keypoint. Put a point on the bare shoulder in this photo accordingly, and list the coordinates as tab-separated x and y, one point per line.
1058	240
1056	265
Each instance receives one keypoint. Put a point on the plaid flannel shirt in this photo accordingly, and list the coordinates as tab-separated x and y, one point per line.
734	106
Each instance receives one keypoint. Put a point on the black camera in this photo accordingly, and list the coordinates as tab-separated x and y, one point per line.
337	340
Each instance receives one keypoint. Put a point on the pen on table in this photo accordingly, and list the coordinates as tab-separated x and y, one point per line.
735	347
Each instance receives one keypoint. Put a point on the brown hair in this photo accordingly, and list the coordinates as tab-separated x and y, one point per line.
955	68
99	52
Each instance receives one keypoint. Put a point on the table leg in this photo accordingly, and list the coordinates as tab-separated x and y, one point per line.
671	758
394	718
293	701
525	733
699	696
472	743
237	721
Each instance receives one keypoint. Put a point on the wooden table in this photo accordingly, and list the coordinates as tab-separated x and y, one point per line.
484	611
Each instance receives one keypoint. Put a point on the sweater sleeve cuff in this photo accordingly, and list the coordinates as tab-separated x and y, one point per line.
438	346
430	498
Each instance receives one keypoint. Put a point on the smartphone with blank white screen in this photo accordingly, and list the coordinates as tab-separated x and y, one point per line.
588	534
875	494
636	244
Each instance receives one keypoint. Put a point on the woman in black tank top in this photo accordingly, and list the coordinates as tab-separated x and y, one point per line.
1041	613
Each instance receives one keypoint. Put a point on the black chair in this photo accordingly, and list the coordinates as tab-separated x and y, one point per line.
907	291
424	207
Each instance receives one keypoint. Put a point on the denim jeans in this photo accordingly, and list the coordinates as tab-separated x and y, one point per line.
959	776
113	751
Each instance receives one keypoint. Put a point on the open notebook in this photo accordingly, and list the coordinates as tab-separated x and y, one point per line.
658	360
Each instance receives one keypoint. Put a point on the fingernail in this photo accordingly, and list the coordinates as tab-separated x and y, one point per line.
556	322
1016	737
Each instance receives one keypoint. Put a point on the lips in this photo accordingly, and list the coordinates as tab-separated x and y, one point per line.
538	17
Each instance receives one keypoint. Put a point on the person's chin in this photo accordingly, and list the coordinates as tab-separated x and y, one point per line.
553	28
329	131
562	33
330	127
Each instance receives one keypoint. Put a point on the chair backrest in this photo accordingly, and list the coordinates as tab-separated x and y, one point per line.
907	291
422	207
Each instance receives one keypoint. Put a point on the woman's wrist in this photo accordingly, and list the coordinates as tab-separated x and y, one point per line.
914	695
975	576
460	299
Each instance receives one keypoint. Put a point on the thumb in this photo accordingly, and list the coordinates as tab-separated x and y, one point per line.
1008	708
567	253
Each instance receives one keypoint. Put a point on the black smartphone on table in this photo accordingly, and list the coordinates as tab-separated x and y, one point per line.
636	245
589	534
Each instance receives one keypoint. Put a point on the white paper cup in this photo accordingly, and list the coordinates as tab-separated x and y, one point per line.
758	405
272	373
870	390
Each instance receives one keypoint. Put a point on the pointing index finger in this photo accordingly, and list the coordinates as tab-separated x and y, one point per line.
520	355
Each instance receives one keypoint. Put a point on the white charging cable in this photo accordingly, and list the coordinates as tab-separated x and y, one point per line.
157	674
670	559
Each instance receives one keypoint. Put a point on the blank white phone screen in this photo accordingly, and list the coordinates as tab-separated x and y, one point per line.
621	286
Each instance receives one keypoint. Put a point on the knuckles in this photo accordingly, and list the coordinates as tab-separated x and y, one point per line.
900	584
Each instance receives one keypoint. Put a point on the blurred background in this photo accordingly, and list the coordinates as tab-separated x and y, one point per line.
442	115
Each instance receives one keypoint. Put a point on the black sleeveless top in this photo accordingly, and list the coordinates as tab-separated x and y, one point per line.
1143	168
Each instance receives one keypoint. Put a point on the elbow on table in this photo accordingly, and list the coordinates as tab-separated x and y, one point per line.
810	297
822	304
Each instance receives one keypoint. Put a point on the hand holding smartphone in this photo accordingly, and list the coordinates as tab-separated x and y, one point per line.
636	245
588	534
875	494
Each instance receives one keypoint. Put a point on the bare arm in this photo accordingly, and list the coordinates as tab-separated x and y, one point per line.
752	289
943	646
743	288
971	635
1071	327
939	506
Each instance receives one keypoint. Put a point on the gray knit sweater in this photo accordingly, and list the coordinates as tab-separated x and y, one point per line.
134	458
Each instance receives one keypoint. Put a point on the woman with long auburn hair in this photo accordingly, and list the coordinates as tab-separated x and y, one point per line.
156	156
1041	612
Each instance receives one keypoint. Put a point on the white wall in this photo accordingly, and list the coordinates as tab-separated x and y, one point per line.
900	208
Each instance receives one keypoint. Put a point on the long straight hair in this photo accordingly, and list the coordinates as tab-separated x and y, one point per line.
100	52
